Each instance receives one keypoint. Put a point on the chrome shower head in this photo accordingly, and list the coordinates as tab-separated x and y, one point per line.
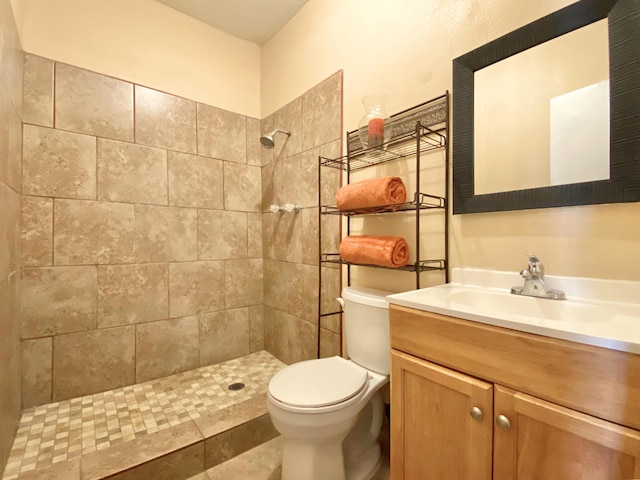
267	139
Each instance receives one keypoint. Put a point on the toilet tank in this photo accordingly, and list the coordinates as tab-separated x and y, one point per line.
366	328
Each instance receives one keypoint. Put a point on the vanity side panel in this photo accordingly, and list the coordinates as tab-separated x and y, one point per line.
597	381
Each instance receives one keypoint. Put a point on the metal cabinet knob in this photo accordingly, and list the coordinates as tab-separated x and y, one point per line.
503	423
476	414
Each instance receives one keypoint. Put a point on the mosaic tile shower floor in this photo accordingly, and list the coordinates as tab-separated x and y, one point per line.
64	430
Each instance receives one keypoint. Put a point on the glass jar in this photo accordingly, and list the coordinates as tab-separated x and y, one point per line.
374	128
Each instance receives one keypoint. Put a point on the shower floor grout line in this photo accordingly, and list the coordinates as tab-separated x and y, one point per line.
61	431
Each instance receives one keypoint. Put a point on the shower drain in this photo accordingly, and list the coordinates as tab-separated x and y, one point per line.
236	386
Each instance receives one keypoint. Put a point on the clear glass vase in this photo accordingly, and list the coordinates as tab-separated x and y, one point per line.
374	128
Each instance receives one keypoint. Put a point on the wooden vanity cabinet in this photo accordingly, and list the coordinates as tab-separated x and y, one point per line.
527	417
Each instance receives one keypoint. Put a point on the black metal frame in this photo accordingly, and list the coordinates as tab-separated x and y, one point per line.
624	68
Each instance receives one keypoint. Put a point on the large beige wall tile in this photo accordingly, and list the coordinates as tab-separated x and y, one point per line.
58	300
222	134
322	112
224	335
10	359
243	282
130	294
86	232
222	234
302	178
304	293
37	231
254	235
330	289
310	252
37	97
9	230
195	287
287	237
256	328
166	347
329	343
58	164
166	234
131	173
274	184
37	357
289	338
195	181
242	187
10	142
275	288
92	103
288	118
94	361
164	120
253	142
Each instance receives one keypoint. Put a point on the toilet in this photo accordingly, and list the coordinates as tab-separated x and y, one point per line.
329	411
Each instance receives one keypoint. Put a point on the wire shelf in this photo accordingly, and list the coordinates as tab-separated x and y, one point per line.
426	202
421	266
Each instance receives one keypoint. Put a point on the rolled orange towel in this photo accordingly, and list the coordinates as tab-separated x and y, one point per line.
385	251
371	193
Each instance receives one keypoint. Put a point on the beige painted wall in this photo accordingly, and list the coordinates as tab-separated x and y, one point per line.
148	43
405	49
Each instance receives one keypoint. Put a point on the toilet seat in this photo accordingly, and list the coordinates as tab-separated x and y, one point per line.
318	383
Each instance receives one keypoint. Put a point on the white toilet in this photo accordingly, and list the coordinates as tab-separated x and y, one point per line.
330	411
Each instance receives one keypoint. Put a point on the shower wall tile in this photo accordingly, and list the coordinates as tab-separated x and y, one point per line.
302	178
329	343
165	234
222	134
289	119
87	232
195	181
222	234
93	361
58	164
243	282
303	300
91	103
131	173
289	338
37	231
166	347
254	146
129	294
330	291
322	113
10	142
254	235
58	300
36	371
256	328
274	182
37	96
242	187
332	322
195	287
266	154
331	233
310	252
224	335
9	230
287	237
164	120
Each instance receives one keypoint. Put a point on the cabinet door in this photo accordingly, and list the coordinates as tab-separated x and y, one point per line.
433	435
543	441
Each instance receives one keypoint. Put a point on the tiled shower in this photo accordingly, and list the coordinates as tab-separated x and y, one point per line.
137	238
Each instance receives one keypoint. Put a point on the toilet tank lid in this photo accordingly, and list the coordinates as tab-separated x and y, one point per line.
366	296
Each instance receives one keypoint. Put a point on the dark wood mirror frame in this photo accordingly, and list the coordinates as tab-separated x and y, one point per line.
624	80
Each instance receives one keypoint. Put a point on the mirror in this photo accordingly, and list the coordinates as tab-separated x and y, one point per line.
518	101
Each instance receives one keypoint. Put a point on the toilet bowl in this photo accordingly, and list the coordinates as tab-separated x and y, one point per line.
329	411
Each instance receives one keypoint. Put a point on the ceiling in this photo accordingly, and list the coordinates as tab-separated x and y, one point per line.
253	20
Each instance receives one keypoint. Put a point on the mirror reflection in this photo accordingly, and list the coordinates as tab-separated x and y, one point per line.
542	116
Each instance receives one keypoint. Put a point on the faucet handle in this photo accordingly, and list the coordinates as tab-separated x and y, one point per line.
535	266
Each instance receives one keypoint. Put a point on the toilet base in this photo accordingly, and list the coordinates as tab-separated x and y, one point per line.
304	461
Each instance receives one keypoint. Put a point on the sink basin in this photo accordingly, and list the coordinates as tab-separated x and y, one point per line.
604	323
505	304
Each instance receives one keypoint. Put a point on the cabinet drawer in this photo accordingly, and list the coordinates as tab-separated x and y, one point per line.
601	382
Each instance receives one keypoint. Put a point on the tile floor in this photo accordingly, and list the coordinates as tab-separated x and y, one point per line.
61	431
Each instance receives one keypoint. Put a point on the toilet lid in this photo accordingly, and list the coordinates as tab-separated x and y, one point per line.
318	383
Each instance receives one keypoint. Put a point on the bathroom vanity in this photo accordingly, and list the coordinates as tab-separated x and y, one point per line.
474	400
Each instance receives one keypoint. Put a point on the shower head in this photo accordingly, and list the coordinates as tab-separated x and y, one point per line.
267	139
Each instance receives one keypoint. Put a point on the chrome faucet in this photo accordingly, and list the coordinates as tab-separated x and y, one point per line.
534	284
